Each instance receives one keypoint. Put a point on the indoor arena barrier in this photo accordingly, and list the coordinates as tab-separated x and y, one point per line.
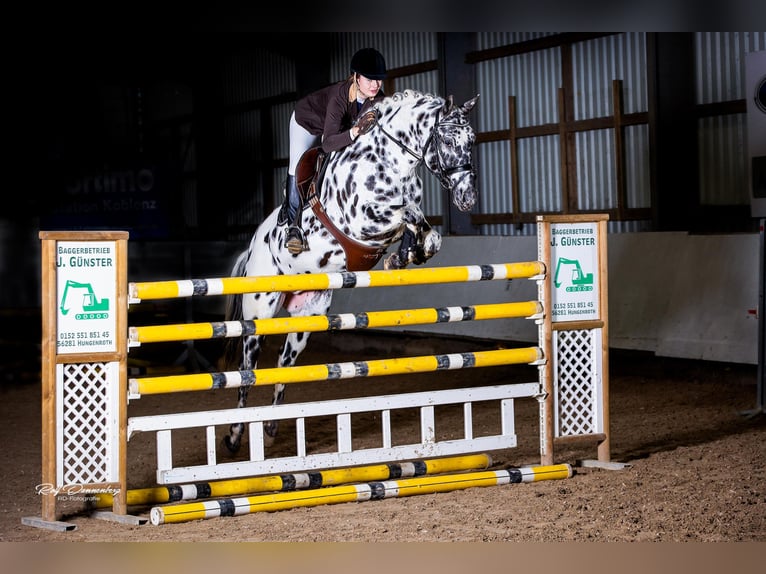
571	356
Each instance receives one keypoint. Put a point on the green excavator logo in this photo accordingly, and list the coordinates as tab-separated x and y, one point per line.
580	281
92	308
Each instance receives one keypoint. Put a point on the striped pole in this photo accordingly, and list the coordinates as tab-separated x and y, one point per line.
333	322
354	493
297	481
331	371
323	281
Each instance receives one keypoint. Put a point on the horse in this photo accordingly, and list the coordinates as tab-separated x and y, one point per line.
368	199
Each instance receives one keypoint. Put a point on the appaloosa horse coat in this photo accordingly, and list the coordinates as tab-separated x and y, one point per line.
371	194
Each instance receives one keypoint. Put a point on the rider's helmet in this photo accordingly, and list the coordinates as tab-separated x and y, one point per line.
369	63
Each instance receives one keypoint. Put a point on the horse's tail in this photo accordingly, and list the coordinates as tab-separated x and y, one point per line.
232	349
234	302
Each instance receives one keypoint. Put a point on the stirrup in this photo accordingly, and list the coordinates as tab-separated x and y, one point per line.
296	240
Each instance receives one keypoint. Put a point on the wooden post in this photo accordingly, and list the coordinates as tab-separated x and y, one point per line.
604	453
48	254
547	429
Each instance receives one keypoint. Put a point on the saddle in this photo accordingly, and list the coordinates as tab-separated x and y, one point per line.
308	176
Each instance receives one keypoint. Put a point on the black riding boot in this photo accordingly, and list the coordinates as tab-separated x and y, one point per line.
295	240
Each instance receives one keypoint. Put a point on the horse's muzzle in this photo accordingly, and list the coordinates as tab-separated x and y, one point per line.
464	190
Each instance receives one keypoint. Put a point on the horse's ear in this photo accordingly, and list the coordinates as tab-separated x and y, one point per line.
449	103
468	106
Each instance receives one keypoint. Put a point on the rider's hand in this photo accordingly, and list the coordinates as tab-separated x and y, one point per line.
366	122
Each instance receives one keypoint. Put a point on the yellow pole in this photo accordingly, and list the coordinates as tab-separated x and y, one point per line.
353	493
141	291
370	320
298	481
307	373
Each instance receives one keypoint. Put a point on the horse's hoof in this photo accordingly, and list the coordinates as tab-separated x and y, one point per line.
270	432
417	255
232	447
392	262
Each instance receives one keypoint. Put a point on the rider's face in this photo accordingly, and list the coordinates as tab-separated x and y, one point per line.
367	87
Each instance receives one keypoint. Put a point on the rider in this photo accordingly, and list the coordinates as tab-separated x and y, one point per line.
333	116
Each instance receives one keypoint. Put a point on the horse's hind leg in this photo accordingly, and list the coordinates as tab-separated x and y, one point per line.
294	344
303	304
250	352
254	306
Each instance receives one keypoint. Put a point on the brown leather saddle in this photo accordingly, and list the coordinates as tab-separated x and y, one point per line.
308	176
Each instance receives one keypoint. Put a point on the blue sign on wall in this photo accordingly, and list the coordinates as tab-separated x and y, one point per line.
132	199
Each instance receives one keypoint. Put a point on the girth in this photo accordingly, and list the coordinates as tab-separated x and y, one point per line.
308	175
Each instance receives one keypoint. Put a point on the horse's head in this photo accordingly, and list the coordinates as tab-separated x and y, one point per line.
452	148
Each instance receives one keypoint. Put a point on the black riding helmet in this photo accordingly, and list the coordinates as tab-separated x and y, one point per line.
369	63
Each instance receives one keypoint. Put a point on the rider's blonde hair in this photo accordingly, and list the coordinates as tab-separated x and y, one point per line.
352	91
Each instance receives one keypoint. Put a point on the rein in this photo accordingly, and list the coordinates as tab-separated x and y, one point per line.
400	144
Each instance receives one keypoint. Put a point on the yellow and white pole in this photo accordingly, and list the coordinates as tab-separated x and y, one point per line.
141	291
354	493
323	372
297	481
335	322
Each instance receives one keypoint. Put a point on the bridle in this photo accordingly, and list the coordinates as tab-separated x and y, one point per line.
443	173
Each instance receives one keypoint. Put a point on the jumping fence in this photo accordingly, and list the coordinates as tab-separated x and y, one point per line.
86	389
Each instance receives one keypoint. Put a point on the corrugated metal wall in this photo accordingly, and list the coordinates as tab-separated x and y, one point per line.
534	79
720	77
398	48
597	63
487	40
242	136
637	173
250	76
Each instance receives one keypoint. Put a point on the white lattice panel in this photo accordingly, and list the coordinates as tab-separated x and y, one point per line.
577	389
87	417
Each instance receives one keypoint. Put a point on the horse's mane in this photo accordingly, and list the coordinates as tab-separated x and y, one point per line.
408	97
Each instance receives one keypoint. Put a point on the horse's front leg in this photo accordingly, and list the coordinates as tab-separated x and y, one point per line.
427	241
429	244
419	243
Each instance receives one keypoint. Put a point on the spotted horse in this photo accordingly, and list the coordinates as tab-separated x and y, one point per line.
368	199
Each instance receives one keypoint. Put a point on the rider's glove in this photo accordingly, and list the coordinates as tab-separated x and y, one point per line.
366	121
